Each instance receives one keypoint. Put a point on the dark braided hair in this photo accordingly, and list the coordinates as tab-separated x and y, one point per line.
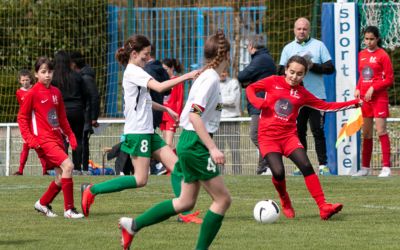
216	49
133	43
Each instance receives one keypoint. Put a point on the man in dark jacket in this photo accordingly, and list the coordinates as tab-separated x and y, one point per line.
262	65
154	68
92	103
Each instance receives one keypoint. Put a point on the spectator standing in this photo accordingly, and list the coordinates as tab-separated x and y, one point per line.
376	76
26	80
155	69
73	92
92	104
229	132
320	62
262	65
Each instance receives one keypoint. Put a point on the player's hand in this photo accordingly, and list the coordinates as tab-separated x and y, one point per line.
173	115
217	156
357	94
359	104
72	141
368	95
193	74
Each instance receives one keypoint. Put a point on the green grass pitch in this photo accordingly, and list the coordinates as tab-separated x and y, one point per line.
369	220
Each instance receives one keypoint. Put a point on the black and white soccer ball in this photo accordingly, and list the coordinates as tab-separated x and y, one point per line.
266	211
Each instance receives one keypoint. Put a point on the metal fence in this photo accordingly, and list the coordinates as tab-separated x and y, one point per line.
233	133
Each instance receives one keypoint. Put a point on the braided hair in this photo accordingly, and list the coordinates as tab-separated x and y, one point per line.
216	49
133	43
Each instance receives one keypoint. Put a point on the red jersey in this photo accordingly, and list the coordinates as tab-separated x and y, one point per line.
280	107
375	69
174	101
21	92
42	117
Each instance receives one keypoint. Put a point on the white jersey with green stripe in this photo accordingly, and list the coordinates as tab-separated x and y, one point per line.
138	104
204	99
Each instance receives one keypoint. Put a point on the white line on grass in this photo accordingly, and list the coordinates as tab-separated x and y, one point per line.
381	207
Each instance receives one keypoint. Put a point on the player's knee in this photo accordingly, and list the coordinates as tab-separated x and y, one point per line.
307	170
141	182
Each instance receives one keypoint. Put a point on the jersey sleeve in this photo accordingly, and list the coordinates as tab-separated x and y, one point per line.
284	56
387	73
325	56
24	119
138	77
316	103
253	89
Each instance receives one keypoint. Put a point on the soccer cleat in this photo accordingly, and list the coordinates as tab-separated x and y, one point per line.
87	198
287	208
18	173
385	172
261	170
267	172
46	210
324	170
327	210
72	214
125	224
362	172
190	218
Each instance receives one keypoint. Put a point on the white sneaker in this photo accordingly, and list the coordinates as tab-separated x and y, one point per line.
385	172
72	214
362	172
267	172
46	210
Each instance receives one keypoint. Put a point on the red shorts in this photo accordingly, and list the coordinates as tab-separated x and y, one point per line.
169	125
285	145
53	153
375	109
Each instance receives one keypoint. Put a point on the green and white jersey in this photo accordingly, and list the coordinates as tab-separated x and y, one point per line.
204	99
138	105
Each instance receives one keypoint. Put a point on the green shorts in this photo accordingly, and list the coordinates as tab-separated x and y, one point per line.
142	144
194	161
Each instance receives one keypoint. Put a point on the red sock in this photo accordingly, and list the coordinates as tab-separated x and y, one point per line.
315	189
280	186
68	189
50	194
385	146
366	152
23	157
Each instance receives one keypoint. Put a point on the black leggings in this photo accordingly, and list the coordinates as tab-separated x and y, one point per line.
299	157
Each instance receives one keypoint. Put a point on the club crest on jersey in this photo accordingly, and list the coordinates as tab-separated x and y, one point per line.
197	109
283	108
367	73
55	100
219	107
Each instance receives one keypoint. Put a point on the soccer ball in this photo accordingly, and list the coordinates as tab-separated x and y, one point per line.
266	211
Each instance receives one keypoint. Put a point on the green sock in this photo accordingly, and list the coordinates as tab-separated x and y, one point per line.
211	224
155	214
176	182
114	185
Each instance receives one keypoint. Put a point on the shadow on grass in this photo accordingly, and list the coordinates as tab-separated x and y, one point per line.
16	242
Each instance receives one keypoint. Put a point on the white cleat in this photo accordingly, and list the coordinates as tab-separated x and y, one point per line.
362	172
72	214
385	172
46	210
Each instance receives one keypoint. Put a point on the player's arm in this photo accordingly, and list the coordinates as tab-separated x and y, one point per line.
314	102
162	108
167	85
253	89
388	76
24	119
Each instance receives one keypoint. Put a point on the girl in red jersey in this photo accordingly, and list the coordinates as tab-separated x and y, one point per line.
43	122
174	101
277	132
376	76
25	79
